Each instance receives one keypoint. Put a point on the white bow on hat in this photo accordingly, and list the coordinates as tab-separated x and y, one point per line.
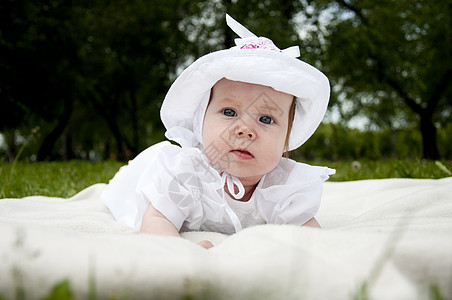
249	38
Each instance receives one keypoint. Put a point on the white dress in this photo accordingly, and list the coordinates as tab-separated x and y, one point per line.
189	192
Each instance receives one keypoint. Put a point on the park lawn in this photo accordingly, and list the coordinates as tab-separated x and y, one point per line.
65	179
57	179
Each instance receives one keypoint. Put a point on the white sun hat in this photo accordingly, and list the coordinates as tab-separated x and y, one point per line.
253	60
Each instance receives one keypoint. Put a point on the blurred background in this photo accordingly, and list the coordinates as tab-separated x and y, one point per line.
85	79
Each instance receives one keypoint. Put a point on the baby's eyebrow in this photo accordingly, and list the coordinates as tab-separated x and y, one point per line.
228	100
266	107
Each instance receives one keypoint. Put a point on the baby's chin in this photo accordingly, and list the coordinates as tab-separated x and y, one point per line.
246	172
246	177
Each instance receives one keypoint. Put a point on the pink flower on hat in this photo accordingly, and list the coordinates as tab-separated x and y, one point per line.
260	43
249	40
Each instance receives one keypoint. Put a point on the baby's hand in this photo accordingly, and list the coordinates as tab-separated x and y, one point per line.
205	244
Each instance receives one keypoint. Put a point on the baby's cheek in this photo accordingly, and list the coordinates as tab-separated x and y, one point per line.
209	141
213	149
273	162
274	157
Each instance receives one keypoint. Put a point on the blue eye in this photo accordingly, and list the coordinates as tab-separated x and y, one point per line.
266	120
229	112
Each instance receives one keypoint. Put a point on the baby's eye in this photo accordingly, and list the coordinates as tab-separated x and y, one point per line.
266	120
229	112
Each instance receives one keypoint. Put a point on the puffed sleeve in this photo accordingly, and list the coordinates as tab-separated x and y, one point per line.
172	185
291	193
159	175
120	194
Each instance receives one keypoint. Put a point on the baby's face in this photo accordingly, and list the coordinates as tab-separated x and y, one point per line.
245	128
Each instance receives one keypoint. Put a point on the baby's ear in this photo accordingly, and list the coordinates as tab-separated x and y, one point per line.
287	154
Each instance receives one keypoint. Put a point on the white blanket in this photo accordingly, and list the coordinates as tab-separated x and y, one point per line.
381	239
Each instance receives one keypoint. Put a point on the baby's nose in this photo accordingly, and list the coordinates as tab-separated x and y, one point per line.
245	132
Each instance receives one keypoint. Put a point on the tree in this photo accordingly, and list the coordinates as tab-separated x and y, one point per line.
36	55
59	59
394	59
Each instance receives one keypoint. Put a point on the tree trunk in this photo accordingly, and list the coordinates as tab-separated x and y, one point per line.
428	131
394	143
109	114
121	156
388	122
68	153
135	131
46	148
11	149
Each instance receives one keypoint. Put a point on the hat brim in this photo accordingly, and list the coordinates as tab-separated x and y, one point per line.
265	67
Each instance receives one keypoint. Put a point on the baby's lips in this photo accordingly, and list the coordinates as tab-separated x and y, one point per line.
242	153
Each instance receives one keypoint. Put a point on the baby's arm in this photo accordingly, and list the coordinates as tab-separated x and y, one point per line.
154	222
312	223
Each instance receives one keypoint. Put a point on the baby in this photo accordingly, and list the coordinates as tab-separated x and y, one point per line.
234	113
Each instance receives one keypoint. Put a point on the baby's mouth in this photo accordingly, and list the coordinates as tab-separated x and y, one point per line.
242	154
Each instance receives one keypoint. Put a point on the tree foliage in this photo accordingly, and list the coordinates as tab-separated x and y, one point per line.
62	60
128	50
392	61
37	52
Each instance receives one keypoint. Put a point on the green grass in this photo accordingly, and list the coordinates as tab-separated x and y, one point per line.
64	179
58	179
368	169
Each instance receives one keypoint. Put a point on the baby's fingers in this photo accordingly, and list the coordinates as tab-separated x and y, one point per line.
205	244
